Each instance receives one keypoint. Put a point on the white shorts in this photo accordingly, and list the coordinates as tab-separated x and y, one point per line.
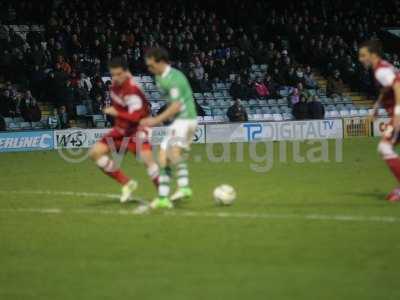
179	134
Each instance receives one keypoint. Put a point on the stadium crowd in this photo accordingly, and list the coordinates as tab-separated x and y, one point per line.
64	63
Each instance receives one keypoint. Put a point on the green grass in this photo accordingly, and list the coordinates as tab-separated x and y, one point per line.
267	245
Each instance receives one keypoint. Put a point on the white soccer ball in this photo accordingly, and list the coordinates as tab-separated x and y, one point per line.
224	194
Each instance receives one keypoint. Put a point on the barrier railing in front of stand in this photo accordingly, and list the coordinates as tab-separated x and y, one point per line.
357	126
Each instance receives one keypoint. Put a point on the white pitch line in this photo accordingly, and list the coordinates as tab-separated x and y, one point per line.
70	193
218	215
174	213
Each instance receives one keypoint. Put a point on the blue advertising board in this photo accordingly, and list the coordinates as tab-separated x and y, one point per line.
26	141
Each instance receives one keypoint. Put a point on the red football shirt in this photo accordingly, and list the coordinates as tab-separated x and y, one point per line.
132	106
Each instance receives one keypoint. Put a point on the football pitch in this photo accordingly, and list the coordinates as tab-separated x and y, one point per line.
310	230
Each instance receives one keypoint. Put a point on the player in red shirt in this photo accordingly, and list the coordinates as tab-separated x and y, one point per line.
388	77
129	106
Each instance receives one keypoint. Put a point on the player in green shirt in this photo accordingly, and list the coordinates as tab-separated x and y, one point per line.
182	110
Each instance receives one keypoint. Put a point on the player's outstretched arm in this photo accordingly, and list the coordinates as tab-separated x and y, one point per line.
170	112
133	117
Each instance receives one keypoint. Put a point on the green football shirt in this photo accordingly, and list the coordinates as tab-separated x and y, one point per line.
175	86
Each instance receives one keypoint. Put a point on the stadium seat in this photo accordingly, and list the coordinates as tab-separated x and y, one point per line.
282	101
272	102
265	110
341	107
218	95
255	68
284	92
382	112
268	117
155	95
38	125
285	109
14	126
262	102
363	112
208	96
275	110
146	79
332	114
25	125
220	118
221	86
330	107
18	120
218	112
253	102
98	121
354	113
277	117
346	100
208	119
287	116
149	86
81	110
8	120
344	113
349	106
198	96
207	110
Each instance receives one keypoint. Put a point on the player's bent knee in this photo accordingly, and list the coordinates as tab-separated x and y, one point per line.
175	155
97	151
147	157
385	149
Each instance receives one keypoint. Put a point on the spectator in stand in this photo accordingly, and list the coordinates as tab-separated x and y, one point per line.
194	83
296	93
272	87
54	121
67	98
198	70
98	89
300	109
85	82
63	65
205	84
309	79
396	61
278	77
315	109
63	116
237	112
2	123
238	89
5	103
30	110
261	89
291	78
335	85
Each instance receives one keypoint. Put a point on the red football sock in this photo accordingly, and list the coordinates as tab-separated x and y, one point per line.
107	165
119	176
394	165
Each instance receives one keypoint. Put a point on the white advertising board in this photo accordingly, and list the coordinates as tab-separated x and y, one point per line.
379	126
274	131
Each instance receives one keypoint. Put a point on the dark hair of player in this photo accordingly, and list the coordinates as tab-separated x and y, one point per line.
158	54
373	46
118	62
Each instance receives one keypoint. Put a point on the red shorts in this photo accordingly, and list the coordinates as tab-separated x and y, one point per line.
136	142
